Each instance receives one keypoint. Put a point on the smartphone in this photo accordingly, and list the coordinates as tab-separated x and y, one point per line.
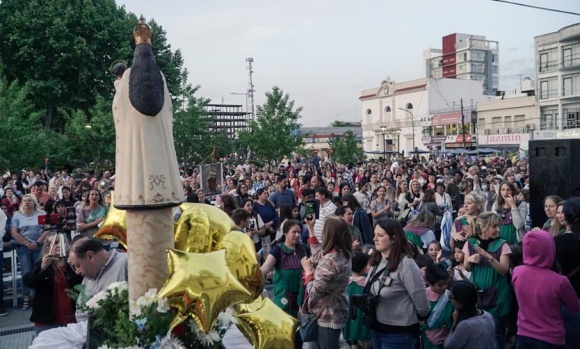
309	210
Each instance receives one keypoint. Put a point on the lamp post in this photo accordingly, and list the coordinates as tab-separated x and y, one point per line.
398	141
384	130
412	125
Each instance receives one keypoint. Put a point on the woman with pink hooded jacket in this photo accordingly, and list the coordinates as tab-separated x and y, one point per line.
541	293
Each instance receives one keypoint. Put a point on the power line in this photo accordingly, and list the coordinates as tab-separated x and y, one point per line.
538	7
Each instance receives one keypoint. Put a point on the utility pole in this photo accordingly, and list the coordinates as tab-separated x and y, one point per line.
250	96
462	123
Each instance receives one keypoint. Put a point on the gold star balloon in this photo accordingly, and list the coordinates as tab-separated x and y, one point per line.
201	285
114	226
218	225
192	231
269	327
242	261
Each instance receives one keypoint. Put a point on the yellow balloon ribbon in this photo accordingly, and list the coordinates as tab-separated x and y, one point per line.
269	327
242	261
201	285
115	225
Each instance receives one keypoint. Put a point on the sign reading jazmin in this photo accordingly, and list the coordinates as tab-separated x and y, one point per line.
515	138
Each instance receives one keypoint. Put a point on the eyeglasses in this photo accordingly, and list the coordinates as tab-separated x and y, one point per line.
451	297
71	265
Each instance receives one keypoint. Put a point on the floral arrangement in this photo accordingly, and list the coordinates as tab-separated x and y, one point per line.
112	325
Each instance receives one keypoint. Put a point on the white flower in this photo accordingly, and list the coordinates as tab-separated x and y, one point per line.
93	303
134	308
206	339
162	305
284	301
171	342
226	318
118	287
148	298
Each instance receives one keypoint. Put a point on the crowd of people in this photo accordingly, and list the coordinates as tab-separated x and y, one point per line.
437	252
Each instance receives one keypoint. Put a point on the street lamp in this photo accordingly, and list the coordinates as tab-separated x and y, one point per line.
398	141
384	130
412	125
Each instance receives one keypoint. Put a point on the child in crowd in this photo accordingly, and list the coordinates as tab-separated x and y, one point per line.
435	251
435	330
423	261
458	272
355	332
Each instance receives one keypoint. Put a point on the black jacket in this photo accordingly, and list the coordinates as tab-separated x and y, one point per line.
43	282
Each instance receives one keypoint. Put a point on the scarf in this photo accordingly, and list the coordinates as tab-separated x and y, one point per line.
417	230
438	309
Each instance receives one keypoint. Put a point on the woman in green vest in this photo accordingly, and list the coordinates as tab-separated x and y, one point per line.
487	256
284	260
512	212
464	226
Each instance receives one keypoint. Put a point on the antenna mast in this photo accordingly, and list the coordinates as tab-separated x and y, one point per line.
250	94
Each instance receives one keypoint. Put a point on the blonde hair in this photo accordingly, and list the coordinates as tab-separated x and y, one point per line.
33	198
477	199
485	220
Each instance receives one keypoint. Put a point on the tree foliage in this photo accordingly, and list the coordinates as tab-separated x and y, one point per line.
346	148
338	123
23	141
272	135
57	55
64	49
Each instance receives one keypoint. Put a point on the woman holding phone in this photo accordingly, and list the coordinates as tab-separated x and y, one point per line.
51	278
512	212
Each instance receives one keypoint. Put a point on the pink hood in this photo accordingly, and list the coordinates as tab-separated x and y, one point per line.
539	249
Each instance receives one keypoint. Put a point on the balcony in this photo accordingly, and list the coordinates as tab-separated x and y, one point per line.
548	66
570	63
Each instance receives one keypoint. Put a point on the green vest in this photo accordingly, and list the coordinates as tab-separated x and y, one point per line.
483	275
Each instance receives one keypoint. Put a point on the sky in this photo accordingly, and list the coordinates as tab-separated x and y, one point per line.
323	53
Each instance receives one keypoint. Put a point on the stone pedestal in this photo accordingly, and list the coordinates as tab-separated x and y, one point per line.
149	235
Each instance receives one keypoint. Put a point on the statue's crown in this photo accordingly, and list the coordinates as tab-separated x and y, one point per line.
142	32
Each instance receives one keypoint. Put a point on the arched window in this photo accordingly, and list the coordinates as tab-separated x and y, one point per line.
369	116
409	107
387	114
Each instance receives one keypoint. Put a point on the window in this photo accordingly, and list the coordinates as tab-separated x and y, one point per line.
387	109
409	107
548	61
548	117
549	88
369	115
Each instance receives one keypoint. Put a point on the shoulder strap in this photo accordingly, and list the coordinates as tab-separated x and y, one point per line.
375	276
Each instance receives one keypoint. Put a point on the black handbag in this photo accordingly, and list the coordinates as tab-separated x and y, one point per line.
309	321
487	298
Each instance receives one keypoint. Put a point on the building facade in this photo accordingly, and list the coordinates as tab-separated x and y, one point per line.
467	57
317	139
399	117
227	118
507	123
558	83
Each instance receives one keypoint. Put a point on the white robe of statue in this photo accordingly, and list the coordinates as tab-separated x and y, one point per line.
146	170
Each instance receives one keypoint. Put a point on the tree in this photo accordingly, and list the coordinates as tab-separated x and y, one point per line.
338	123
23	140
89	141
191	134
64	49
271	135
346	148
